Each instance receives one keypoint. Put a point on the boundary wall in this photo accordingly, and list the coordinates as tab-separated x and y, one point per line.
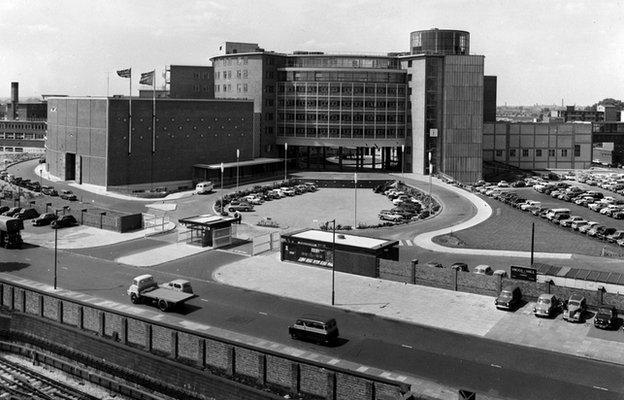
175	360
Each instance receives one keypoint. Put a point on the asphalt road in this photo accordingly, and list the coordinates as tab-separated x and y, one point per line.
448	358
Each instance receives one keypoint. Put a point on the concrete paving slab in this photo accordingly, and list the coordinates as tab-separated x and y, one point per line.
161	254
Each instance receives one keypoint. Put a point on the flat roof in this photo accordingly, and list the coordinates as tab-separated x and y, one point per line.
205	219
344	239
256	161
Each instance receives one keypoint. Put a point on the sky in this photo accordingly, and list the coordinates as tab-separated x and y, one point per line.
543	52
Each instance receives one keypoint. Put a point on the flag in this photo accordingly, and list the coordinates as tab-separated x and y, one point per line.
147	78
125	73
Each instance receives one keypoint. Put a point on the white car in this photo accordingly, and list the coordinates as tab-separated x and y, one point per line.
288	191
391	217
585	228
530	205
255	200
576	225
568	222
596	206
483	270
503	184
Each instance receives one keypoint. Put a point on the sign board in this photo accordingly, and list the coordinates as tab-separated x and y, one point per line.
524	273
433	132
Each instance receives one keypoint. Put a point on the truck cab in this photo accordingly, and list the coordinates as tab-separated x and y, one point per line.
140	284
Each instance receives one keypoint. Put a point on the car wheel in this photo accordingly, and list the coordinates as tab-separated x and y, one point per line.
163	305
294	336
134	298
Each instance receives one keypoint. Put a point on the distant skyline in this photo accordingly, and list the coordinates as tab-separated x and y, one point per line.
541	52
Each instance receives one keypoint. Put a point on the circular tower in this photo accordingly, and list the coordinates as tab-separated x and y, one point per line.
440	41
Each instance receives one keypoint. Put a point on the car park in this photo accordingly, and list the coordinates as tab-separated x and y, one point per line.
460	266
509	298
64	221
483	270
546	306
606	318
44	219
315	328
574	309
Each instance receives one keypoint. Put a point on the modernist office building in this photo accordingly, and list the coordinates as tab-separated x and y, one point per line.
399	107
89	139
24	127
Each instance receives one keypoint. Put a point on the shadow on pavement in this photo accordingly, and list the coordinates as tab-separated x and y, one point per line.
12	266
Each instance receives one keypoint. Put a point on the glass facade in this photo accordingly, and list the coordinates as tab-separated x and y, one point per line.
435	41
336	61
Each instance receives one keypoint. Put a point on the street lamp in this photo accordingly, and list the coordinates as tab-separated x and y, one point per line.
333	261
285	161
48	205
430	173
56	228
237	157
355	205
221	188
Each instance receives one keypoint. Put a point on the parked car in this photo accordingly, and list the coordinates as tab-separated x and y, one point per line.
44	219
483	270
567	222
586	228
315	328
434	264
500	272
574	309
68	195
288	191
605	233
615	236
576	225
12	212
64	221
503	184
460	266
530	205
546	306
509	298
179	285
606	318
27	213
49	190
240	207
391	217
596	228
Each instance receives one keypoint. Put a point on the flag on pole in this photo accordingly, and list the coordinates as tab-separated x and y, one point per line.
125	73
147	78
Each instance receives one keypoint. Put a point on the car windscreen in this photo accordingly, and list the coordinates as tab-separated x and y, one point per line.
574	303
505	294
543	301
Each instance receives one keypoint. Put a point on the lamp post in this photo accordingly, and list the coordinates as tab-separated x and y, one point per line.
55	248
355	202
285	161
102	214
48	205
84	210
221	188
430	173
237	157
333	299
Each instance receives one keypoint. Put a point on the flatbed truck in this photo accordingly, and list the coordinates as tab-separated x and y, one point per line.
144	289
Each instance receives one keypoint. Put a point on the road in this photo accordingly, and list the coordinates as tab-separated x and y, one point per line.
445	357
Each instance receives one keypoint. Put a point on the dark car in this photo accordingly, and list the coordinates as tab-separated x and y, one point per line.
44	219
27	213
434	264
460	266
240	207
4	209
49	190
509	298
64	222
315	328
68	195
13	211
606	318
604	233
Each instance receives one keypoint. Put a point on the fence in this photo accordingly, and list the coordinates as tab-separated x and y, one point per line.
266	242
67	320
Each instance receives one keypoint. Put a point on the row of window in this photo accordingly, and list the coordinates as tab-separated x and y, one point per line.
341	62
344	132
19	136
22	126
238	74
197	75
539	152
12	149
198	88
343	88
334	76
343	117
229	61
225	88
379	105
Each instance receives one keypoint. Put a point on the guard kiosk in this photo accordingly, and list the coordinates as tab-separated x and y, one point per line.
209	230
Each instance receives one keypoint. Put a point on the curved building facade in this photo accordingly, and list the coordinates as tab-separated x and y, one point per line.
440	41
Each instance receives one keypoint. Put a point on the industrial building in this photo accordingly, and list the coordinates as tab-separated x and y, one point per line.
90	141
24	128
538	145
386	111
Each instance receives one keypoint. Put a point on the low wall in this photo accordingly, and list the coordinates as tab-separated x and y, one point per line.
137	347
489	285
340	183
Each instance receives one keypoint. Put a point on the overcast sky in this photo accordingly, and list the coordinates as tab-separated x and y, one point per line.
541	51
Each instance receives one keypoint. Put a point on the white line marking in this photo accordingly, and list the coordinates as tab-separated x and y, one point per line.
262	313
496	366
204	300
409	347
600	388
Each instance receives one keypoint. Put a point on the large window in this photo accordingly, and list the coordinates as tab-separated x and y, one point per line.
577	150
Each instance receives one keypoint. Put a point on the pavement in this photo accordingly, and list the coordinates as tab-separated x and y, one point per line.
466	313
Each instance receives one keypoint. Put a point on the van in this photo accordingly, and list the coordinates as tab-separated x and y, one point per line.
314	328
204	187
509	298
556	214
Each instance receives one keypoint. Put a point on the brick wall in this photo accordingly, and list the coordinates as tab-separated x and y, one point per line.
143	348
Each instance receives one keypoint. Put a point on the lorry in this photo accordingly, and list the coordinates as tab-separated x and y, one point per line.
10	236
145	289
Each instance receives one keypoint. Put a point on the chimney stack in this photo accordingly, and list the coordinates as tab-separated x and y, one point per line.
14	97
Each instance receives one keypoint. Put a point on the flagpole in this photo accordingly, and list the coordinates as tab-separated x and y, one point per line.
153	128
130	116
